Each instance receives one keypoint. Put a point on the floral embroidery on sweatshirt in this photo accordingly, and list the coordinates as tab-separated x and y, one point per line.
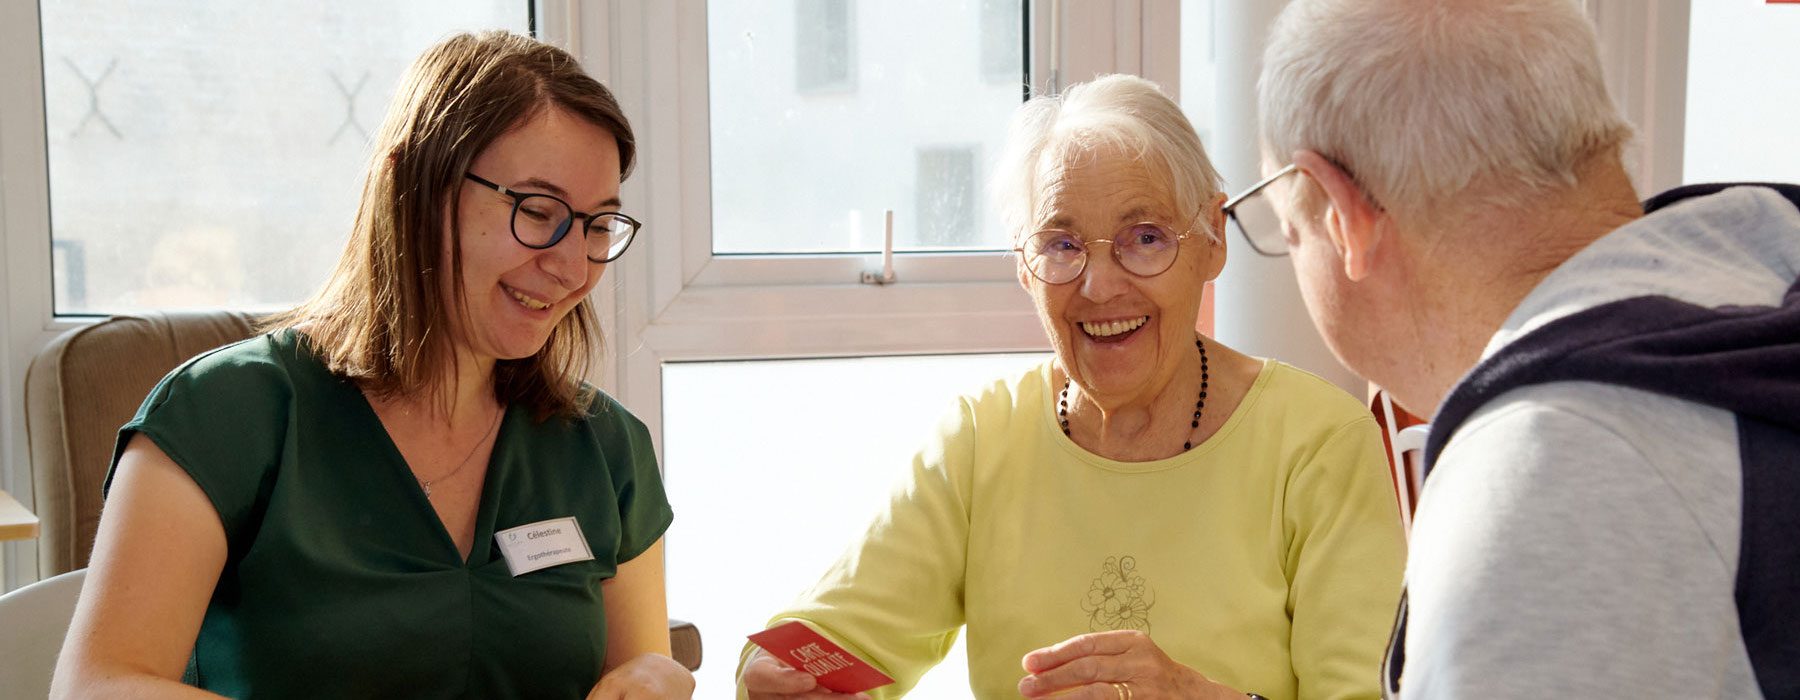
1119	599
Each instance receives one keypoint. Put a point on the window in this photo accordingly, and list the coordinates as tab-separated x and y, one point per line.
205	155
760	451
225	147
763	200
811	169
1743	96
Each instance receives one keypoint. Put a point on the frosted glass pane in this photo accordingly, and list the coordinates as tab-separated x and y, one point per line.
824	113
775	467
209	154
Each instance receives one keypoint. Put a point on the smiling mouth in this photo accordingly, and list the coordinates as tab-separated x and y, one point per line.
1113	330
526	300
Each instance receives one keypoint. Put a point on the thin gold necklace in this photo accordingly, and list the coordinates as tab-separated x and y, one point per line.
425	484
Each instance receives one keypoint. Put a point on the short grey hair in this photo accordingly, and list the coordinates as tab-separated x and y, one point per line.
1121	111
1421	99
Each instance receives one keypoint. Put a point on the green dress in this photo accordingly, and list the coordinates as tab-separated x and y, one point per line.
342	582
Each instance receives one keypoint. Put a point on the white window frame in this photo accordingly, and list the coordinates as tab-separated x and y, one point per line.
1644	50
671	299
30	322
675	300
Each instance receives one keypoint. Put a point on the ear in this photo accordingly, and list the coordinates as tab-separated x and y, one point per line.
1216	219
1024	274
1351	217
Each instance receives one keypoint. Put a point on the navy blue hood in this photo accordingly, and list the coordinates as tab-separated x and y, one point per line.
1743	359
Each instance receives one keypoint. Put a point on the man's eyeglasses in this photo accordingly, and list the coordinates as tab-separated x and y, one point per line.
540	221
1254	218
1145	249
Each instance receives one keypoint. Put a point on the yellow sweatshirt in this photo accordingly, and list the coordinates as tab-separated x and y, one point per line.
1268	557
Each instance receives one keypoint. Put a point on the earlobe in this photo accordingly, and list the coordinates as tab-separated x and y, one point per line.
1340	241
1356	265
1216	266
1362	241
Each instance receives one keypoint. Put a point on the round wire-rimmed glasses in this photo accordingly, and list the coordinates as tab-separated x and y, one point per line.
1145	249
541	221
1253	215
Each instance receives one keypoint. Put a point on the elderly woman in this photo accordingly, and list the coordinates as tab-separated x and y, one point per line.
1150	514
404	489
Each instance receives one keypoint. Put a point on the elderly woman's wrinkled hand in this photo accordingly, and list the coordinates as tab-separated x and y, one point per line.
767	678
650	676
1121	665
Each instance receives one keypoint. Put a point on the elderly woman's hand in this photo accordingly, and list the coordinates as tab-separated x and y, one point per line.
645	677
767	678
1122	665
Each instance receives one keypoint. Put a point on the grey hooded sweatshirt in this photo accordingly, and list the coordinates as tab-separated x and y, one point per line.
1581	527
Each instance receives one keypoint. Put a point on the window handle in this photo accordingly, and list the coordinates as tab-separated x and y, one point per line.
886	274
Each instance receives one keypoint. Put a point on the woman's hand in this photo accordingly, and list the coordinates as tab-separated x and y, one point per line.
646	677
767	678
1123	665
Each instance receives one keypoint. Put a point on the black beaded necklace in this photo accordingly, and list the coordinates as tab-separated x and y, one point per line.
1062	406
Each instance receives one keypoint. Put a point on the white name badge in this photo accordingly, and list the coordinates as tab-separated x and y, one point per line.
542	545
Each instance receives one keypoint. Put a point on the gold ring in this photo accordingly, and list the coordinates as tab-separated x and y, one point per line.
1123	689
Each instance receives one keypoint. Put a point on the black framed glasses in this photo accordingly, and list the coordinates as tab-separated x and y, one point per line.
1145	249
1254	217
540	221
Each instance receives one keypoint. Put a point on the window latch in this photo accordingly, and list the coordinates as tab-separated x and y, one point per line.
885	275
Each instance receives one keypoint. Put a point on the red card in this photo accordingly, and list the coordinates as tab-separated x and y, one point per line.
804	649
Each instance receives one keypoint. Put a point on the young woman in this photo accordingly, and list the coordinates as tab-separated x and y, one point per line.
403	488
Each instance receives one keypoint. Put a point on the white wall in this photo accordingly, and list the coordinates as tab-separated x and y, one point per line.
1258	310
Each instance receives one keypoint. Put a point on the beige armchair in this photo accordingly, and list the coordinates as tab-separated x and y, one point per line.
78	391
90	381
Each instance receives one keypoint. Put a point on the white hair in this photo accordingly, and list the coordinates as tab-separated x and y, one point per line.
1420	100
1118	111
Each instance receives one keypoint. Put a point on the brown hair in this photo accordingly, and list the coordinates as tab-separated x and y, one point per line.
381	319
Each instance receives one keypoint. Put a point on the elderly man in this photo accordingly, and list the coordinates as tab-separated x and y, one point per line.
1615	457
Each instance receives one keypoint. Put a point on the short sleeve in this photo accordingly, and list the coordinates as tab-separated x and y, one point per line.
644	511
222	417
